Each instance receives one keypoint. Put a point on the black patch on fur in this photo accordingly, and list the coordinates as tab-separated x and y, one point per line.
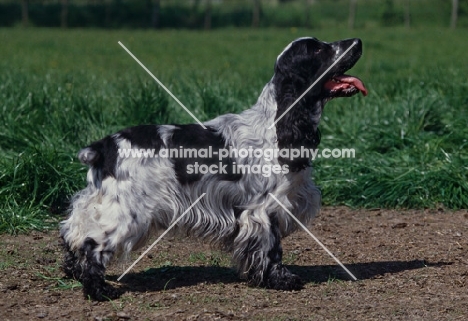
106	149
276	253
238	211
106	158
278	277
70	266
84	267
92	277
295	71
193	136
143	136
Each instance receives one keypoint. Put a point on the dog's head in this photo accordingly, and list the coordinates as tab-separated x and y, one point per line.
308	60
318	68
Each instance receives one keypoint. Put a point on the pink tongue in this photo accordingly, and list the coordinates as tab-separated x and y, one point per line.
356	82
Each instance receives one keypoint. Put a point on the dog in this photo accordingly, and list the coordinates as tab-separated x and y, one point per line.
128	199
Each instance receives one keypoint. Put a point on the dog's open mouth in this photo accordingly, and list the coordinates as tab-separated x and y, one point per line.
344	86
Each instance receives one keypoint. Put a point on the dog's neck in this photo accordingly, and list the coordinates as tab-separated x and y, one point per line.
252	125
297	127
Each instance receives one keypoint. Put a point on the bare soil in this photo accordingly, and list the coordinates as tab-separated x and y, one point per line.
411	265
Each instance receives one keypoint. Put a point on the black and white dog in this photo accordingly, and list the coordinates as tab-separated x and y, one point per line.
129	199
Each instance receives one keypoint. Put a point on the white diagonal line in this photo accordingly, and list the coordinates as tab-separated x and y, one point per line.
160	237
161	84
311	86
315	239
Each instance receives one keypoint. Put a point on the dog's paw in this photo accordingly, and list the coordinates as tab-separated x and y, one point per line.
103	292
280	278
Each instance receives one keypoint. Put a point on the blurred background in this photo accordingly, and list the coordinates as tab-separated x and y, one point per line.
209	14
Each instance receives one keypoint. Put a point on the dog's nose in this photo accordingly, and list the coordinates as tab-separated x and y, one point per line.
343	45
357	43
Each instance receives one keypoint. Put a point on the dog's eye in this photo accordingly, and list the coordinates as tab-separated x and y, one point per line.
314	50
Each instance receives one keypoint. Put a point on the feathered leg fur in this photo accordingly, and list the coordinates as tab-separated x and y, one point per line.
258	253
98	228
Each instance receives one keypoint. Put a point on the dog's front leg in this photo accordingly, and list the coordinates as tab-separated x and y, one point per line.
258	253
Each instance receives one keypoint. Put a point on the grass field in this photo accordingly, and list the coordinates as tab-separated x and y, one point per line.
60	90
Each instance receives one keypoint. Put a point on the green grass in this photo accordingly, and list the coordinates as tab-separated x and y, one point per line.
60	90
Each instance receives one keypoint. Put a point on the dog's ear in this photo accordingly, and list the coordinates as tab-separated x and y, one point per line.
300	57
297	67
291	57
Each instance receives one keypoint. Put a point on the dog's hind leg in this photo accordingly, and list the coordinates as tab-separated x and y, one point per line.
88	265
258	253
70	266
94	259
100	225
85	236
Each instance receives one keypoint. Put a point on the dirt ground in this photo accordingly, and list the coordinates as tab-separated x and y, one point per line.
411	265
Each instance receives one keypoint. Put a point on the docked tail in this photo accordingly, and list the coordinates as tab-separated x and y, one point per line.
88	156
101	156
